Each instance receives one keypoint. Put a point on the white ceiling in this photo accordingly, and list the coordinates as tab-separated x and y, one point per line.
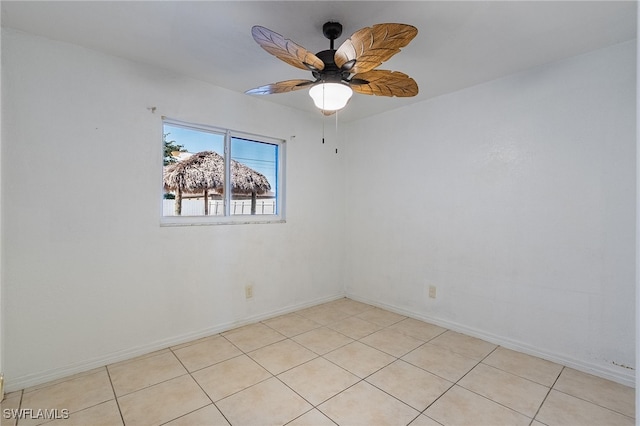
459	44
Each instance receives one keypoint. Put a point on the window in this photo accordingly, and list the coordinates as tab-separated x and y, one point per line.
212	175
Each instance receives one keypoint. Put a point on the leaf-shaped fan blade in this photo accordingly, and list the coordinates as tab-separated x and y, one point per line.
371	46
384	83
286	50
280	87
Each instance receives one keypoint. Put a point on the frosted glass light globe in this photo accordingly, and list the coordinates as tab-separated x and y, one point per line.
330	96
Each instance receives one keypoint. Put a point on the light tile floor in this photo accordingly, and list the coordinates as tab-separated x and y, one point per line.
342	362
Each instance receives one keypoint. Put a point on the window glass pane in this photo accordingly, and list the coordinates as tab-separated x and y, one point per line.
213	176
193	177
254	177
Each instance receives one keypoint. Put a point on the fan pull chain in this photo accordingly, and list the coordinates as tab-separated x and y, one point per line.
323	116
336	128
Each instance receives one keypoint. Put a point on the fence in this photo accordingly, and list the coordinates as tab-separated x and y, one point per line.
216	207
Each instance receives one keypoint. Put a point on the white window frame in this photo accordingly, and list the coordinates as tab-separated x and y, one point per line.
228	218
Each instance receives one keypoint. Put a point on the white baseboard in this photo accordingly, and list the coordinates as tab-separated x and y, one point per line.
29	380
22	382
626	377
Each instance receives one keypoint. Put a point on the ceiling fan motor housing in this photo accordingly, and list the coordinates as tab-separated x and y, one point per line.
332	30
331	72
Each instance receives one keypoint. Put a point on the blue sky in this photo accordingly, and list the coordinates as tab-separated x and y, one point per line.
261	157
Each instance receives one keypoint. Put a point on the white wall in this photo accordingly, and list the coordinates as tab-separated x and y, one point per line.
637	213
1	273
88	281
524	209
523	214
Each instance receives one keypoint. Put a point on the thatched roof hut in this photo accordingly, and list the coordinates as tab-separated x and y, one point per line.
204	171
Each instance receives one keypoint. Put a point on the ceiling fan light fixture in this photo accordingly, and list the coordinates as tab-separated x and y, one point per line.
330	96
340	72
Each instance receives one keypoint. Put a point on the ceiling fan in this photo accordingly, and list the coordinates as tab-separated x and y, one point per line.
338	73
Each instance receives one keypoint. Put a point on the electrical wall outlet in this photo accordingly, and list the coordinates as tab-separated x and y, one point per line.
248	291
432	292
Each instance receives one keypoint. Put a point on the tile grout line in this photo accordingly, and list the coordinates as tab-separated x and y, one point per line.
423	412
364	379
597	404
113	389
187	372
519	375
20	405
420	412
547	395
198	383
328	326
496	402
90	406
274	376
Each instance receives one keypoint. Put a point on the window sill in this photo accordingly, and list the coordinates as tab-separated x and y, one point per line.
171	221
